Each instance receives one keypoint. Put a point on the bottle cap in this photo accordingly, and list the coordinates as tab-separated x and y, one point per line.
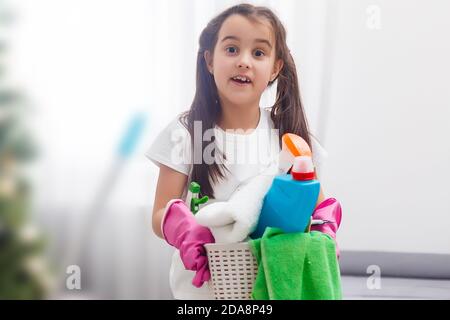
303	168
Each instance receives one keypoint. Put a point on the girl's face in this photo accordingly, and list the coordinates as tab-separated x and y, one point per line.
246	49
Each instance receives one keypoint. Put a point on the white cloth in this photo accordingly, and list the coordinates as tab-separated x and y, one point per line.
233	220
247	156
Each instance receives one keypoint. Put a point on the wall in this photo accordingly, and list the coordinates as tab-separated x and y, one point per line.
387	125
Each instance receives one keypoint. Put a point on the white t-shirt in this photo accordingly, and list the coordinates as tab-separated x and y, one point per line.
247	155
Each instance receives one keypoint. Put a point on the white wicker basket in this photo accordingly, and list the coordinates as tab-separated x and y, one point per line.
233	270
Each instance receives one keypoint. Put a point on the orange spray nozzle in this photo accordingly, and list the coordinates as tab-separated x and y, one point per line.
296	145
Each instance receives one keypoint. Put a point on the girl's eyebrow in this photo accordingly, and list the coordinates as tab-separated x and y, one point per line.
256	40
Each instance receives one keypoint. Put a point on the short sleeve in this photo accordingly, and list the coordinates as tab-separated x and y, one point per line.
172	148
319	154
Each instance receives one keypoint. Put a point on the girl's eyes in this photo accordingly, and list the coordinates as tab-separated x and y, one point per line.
260	52
232	50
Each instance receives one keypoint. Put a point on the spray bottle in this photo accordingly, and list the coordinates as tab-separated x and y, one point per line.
291	199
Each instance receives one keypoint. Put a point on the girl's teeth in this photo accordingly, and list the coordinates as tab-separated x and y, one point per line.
241	79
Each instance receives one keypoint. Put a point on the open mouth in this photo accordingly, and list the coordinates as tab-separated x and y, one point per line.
241	80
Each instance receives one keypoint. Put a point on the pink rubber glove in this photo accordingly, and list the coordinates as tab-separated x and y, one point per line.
181	230
330	210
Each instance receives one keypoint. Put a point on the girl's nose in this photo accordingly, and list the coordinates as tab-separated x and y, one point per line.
244	61
243	65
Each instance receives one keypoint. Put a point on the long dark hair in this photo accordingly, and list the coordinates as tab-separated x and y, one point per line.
287	113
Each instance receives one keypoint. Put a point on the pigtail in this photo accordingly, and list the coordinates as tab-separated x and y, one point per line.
287	112
205	109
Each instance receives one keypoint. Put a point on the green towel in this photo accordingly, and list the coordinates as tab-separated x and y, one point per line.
296	266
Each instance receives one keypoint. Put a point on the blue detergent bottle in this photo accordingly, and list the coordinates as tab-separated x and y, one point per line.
291	199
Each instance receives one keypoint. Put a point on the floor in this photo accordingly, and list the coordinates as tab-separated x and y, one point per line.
356	288
394	288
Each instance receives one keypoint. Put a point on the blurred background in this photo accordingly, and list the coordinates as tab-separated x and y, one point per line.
85	86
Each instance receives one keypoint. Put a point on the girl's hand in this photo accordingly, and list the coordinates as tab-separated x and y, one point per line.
329	210
184	233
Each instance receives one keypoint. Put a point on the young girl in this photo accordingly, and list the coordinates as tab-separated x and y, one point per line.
242	51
